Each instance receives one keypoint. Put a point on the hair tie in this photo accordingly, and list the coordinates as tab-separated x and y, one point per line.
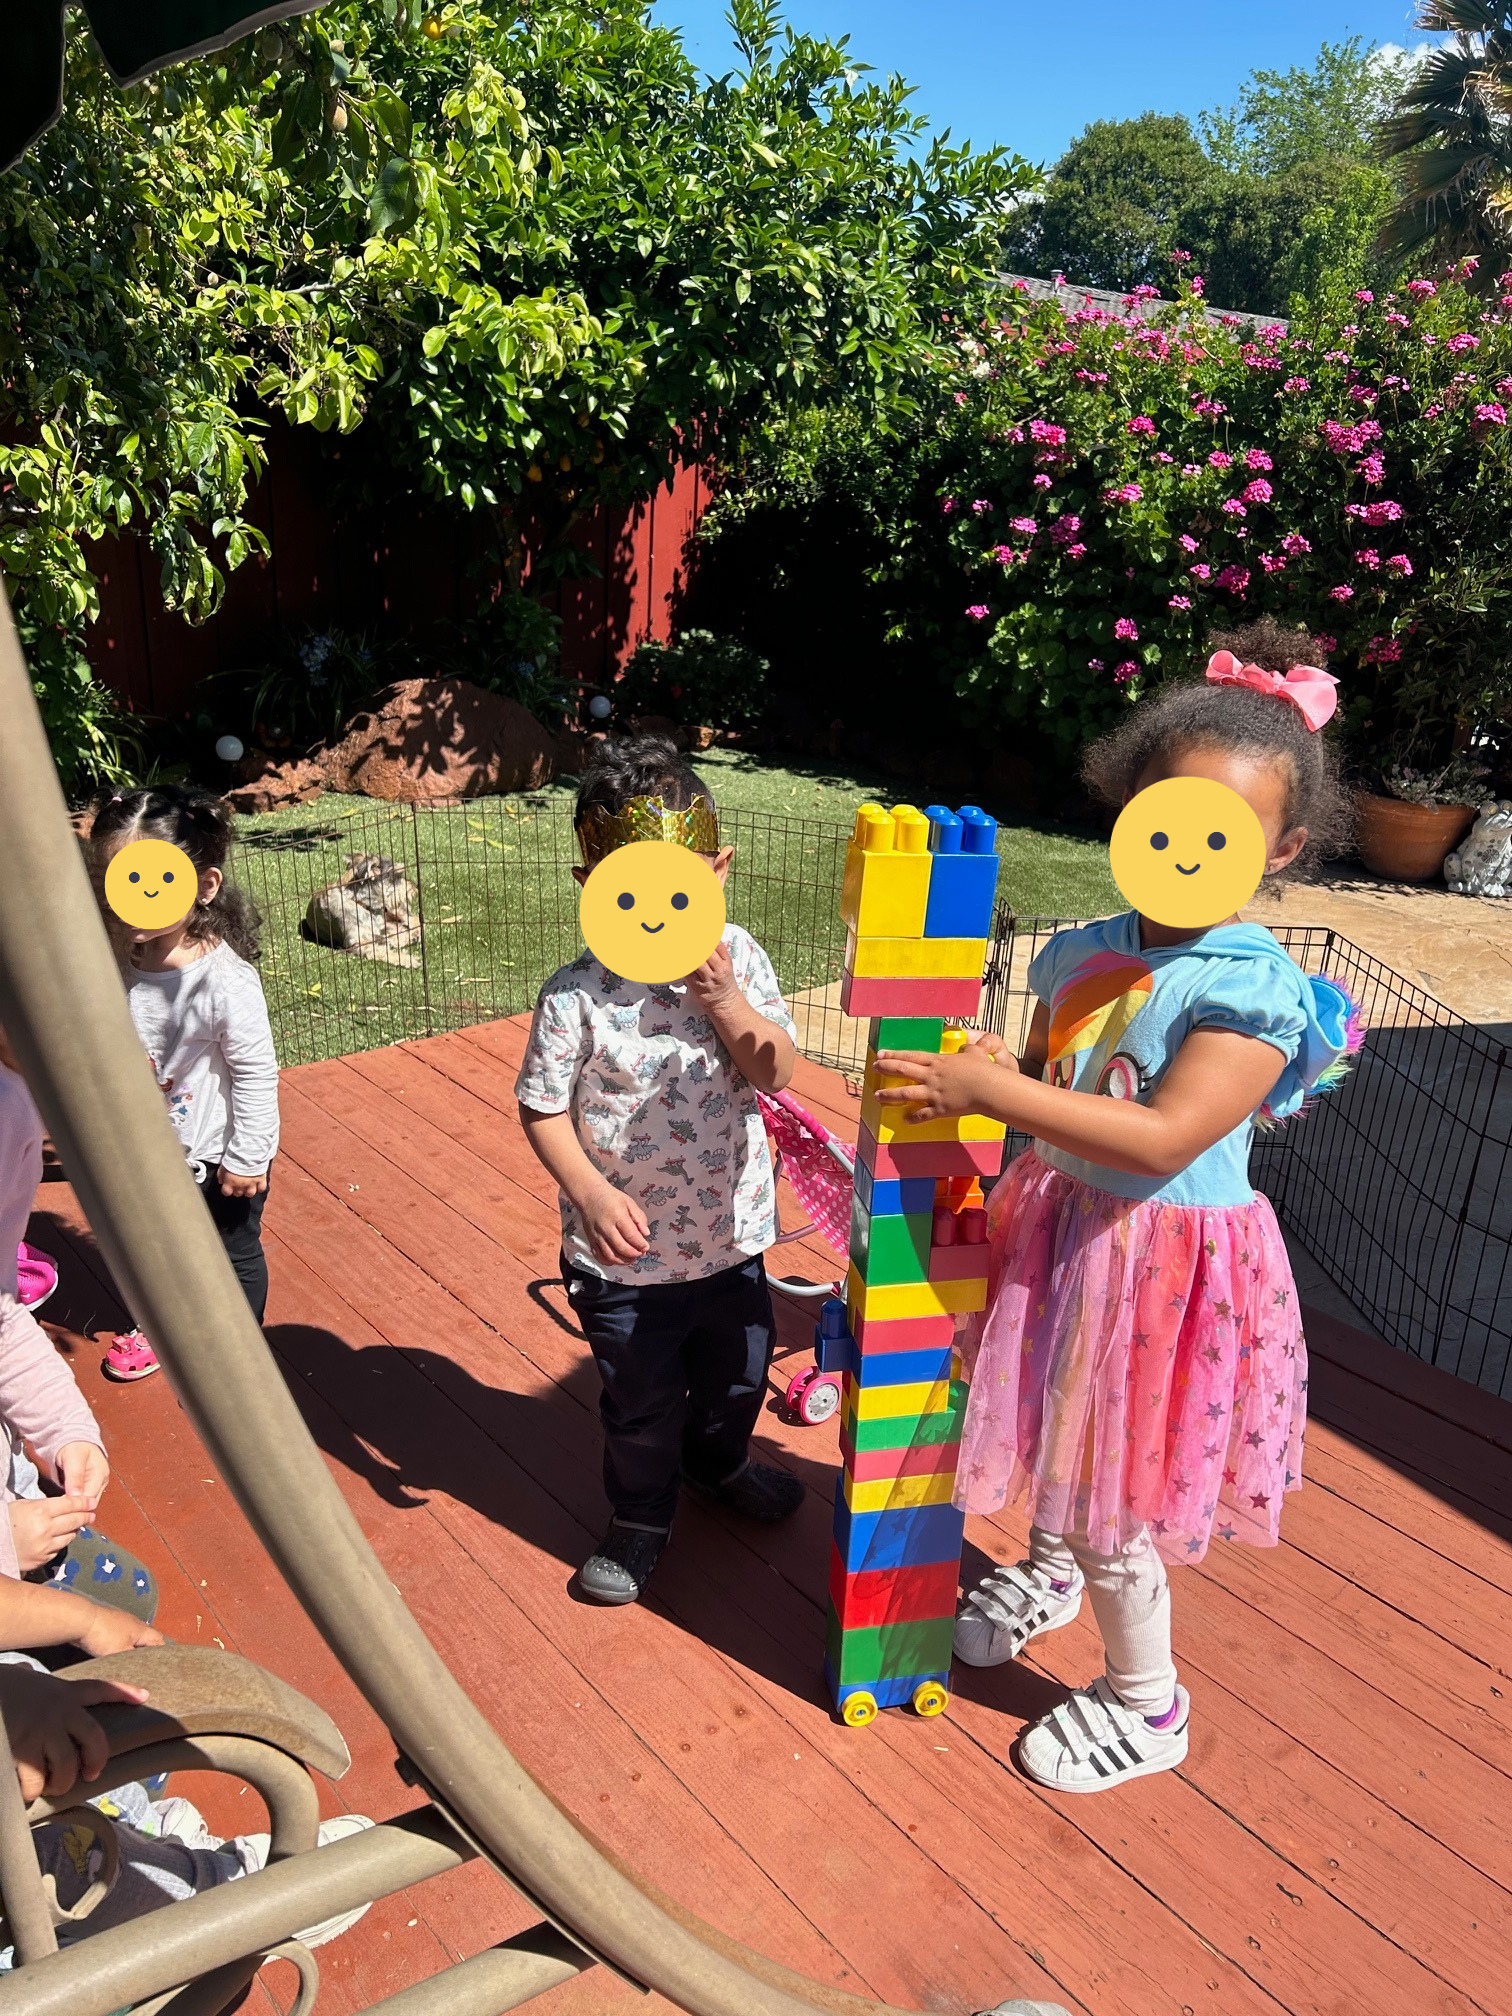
1312	692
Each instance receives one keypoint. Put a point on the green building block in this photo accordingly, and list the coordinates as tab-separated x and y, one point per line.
907	1032
889	1651
912	1431
890	1249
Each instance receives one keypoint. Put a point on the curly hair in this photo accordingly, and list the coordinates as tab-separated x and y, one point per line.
640	766
1191	714
198	822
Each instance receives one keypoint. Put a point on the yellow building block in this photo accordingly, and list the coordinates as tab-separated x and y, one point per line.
902	1299
889	1403
885	893
896	1494
915	958
887	1124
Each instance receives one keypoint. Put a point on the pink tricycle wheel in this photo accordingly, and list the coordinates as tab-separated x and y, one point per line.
814	1396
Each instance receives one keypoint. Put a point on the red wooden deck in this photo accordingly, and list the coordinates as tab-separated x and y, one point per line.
1337	1842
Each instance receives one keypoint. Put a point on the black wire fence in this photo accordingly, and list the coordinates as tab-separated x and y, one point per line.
384	923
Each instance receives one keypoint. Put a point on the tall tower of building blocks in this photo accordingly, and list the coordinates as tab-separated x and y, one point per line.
917	905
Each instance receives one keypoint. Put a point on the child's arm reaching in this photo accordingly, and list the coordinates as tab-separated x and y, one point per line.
246	1040
1217	1079
615	1224
31	1615
53	1738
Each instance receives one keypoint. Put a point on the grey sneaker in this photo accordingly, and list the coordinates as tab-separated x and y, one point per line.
758	1492
619	1568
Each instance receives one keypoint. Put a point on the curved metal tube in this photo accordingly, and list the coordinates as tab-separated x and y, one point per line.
62	1005
283	1786
493	1982
209	1934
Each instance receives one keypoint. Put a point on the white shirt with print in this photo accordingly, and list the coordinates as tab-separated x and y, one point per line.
661	1110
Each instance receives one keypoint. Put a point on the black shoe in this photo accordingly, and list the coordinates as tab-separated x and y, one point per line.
619	1568
758	1492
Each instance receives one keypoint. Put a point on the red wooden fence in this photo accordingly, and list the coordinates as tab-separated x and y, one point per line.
401	576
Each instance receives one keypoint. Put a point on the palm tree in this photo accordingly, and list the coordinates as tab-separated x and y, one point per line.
1451	135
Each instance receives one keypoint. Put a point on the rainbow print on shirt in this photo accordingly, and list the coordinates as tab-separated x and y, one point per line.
1099	1001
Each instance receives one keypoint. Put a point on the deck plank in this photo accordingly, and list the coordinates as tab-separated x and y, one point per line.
1334	1843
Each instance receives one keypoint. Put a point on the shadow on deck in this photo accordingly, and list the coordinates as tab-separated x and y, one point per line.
1336	1842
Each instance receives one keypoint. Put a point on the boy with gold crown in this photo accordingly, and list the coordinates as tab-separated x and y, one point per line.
640	1100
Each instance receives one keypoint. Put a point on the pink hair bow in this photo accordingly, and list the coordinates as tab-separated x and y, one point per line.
1313	693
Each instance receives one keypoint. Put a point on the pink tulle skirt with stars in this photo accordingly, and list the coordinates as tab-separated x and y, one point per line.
1137	1365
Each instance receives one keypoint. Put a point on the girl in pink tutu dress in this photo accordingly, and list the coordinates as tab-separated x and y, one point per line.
1139	1373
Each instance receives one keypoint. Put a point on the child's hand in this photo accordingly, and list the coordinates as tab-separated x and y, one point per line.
232	1185
941	1087
43	1527
991	1046
53	1738
83	1470
713	985
616	1226
113	1631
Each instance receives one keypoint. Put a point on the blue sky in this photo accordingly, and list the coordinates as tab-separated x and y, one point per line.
1031	76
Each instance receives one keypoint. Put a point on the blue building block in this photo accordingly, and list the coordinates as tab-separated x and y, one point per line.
895	1196
902	1368
834	1346
898	1539
898	1693
963	873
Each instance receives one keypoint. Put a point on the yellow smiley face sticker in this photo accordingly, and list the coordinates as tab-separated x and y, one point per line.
151	885
652	911
1187	852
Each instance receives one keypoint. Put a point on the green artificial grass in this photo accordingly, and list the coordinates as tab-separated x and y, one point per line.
492	889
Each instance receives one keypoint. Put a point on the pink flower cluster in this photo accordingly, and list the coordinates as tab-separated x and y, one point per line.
1028	526
1372	468
980	506
1294	545
1125	672
1126	629
1065	528
1235	580
1345	439
1256	458
1385	512
979	612
1458	345
1383	651
1491	415
1258	492
1423	289
1142	424
1123	493
1398	564
1232	507
1046	432
1297	385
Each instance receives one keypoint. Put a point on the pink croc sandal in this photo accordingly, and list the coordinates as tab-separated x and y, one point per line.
36	1275
130	1356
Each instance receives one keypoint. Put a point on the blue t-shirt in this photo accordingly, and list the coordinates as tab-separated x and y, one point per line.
1119	1012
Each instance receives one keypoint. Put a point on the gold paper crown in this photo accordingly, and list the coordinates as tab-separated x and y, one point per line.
600	831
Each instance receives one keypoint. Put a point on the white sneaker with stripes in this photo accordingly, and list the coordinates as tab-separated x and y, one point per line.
1008	1607
1091	1742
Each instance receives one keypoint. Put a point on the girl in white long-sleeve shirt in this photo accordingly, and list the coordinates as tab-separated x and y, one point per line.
198	1007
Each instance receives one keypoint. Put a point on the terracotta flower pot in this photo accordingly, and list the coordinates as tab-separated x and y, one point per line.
1407	843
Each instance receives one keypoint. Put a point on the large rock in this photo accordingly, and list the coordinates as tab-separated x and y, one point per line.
426	740
269	786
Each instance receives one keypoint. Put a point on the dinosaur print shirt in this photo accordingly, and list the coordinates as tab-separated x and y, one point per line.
661	1109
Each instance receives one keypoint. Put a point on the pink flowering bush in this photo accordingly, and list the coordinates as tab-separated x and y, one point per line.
1283	454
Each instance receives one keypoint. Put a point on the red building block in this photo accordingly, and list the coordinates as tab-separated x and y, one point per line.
877	1596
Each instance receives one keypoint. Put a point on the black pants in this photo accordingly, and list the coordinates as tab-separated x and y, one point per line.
684	1366
239	1223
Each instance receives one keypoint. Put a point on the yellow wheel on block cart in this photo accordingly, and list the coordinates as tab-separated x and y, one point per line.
930	1699
859	1709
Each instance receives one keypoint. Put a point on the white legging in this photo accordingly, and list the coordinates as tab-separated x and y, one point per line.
1131	1600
